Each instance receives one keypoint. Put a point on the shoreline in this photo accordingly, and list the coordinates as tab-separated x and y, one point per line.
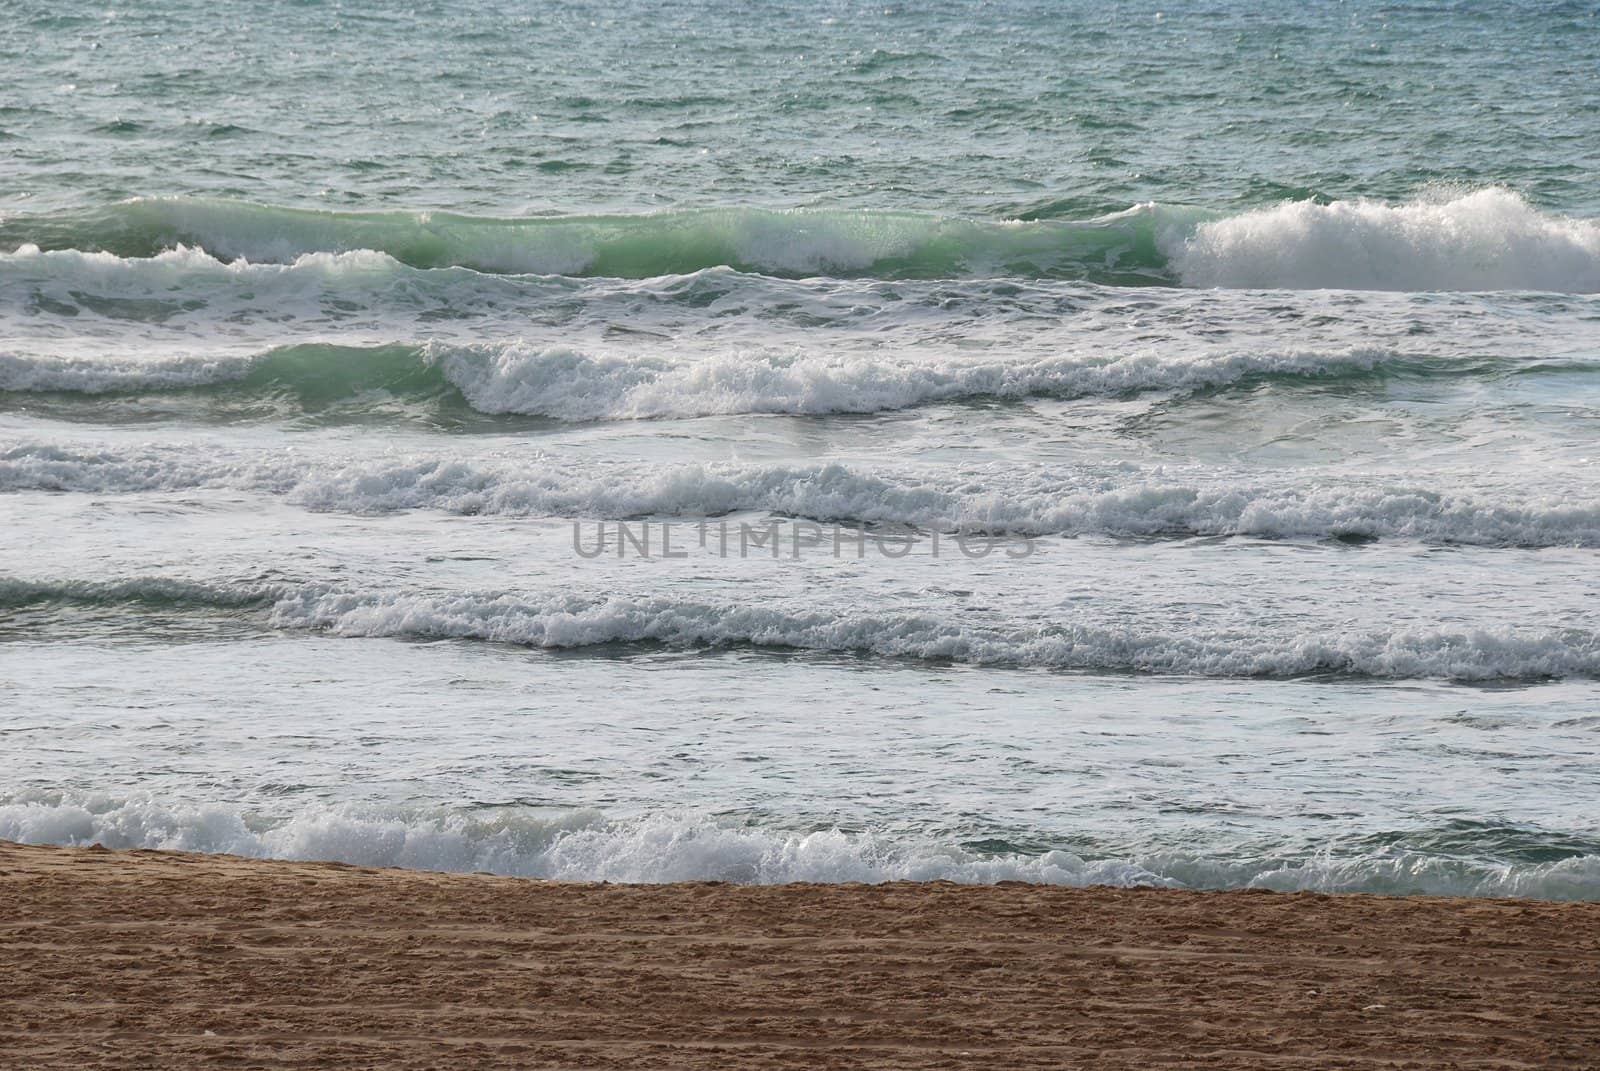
146	958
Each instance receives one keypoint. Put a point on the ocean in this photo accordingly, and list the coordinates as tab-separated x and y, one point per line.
807	440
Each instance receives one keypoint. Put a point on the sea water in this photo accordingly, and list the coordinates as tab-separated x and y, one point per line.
807	441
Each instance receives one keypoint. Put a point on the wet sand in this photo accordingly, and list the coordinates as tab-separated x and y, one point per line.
163	960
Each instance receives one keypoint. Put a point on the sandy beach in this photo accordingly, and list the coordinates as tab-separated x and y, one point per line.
162	960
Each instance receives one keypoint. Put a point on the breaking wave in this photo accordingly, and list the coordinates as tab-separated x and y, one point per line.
568	384
573	621
588	846
1121	248
1488	239
1122	503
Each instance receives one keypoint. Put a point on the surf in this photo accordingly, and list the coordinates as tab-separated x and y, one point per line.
569	383
1488	239
1122	502
1485	240
1121	248
572	621
660	846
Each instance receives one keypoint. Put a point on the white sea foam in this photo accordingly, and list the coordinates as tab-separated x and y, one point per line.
1483	240
88	375
1490	239
586	846
1066	641
581	621
1116	501
570	385
567	383
1128	504
182	266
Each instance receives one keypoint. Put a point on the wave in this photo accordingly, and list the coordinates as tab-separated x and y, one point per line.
1490	239
575	621
182	272
1120	503
568	384
587	846
1487	239
158	591
187	297
1119	249
579	621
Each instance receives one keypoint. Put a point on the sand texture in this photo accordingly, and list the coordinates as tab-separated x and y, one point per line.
158	960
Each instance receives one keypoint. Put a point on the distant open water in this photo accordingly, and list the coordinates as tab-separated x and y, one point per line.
1256	347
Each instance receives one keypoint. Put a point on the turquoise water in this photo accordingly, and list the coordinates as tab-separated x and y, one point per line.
1056	110
1259	345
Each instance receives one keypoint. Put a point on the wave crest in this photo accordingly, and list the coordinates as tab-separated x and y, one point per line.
586	846
1490	239
570	384
1120	504
1119	248
571	621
